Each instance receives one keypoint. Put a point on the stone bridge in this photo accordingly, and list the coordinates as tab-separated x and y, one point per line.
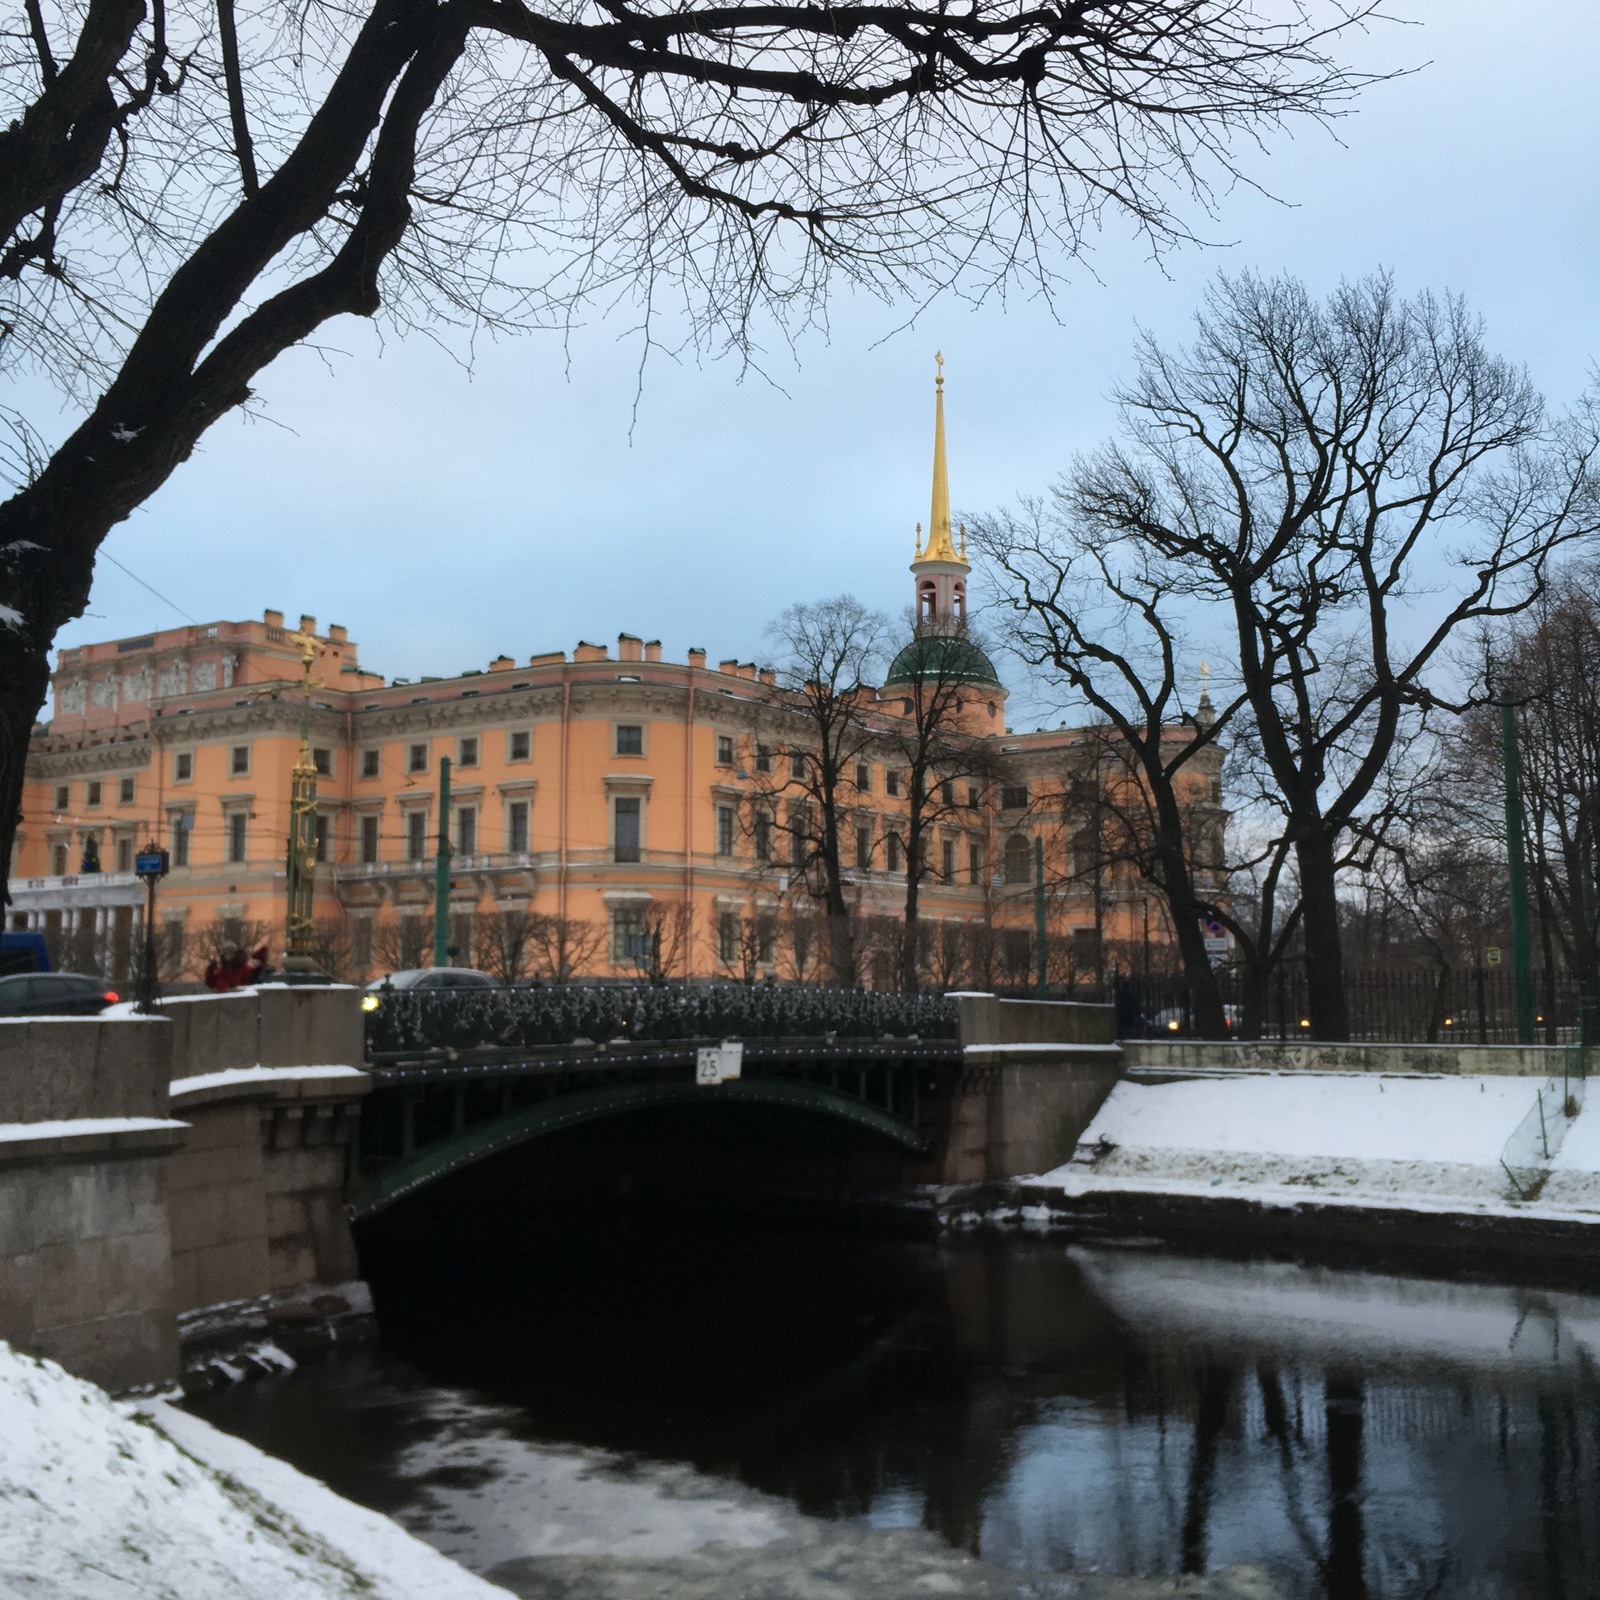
200	1173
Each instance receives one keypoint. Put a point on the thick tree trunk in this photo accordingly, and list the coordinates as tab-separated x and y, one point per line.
24	682
1319	921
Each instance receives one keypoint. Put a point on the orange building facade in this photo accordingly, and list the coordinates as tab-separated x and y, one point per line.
610	811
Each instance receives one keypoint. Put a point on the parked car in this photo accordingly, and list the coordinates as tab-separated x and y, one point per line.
436	978
54	994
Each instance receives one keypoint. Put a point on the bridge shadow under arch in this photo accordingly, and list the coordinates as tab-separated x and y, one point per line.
799	1100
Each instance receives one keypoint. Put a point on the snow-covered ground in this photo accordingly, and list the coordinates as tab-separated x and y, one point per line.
101	1499
1425	1142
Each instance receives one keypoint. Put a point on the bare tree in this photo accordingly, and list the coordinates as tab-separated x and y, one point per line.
1094	608
669	936
1302	470
563	948
402	943
827	653
187	193
504	949
945	772
331	947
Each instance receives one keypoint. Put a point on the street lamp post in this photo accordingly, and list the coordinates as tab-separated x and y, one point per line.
151	865
299	959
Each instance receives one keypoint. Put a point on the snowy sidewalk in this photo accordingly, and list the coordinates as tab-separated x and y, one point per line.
101	1499
1417	1143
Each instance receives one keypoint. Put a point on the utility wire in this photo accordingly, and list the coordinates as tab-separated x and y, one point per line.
151	587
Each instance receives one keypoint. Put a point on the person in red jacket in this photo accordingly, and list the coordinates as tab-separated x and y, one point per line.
231	970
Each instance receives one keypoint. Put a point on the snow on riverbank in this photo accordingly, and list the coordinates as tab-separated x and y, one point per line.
1430	1142
101	1499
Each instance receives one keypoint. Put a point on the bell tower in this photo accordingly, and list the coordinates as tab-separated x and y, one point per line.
939	567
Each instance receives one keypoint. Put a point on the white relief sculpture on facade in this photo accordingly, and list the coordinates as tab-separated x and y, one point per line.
229	662
136	685
173	679
103	691
72	697
205	676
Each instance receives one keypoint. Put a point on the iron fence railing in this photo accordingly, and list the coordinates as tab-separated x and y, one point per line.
1475	1006
418	1020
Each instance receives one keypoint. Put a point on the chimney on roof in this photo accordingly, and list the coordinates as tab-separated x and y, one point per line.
630	647
338	633
590	652
501	664
273	619
308	625
730	666
767	675
697	658
652	649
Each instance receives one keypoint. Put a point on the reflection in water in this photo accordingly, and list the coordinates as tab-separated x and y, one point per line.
1046	1408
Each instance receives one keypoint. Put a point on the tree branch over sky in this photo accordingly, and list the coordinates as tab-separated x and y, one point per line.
187	191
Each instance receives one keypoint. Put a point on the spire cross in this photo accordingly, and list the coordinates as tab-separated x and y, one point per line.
938	356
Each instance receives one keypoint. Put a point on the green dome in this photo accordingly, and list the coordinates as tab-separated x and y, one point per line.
950	656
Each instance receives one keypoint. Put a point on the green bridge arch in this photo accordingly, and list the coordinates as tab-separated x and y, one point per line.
377	1191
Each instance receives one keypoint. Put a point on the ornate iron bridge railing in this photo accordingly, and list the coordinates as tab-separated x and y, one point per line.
460	1075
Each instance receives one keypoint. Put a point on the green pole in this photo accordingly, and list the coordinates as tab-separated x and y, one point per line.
441	872
1517	869
1038	915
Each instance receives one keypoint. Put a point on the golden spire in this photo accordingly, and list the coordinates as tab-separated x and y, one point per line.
939	546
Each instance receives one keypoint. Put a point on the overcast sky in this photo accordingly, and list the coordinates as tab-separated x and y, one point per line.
445	516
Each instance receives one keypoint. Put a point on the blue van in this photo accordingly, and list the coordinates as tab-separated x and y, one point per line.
23	951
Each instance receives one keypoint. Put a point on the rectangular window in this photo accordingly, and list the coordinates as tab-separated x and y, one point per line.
180	839
237	822
1014	797
58	860
947	861
630	739
864	849
369	840
125	792
63	797
521	747
322	760
239	760
974	797
799	837
975	864
182	767
947	793
361	945
763	833
324	835
371	764
891	782
763	758
626	825
467	753
91	792
417	835
725	822
416	758
124	855
797	765
467	830
892	844
629	940
724	749
517	827
766	932
728	938
863	777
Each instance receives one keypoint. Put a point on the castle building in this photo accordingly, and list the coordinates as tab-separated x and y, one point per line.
609	812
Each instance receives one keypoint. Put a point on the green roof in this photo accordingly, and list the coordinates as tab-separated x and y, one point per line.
951	657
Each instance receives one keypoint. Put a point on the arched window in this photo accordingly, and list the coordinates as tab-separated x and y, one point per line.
961	601
927	603
1018	859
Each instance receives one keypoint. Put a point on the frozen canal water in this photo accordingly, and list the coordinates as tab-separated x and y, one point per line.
671	1411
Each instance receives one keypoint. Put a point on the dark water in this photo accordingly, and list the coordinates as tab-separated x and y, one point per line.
1042	1407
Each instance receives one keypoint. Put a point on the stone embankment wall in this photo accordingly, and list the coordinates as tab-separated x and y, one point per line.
85	1136
156	1166
1272	1055
1034	1072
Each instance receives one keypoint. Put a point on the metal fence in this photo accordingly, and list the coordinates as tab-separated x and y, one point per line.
406	1020
1476	1006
